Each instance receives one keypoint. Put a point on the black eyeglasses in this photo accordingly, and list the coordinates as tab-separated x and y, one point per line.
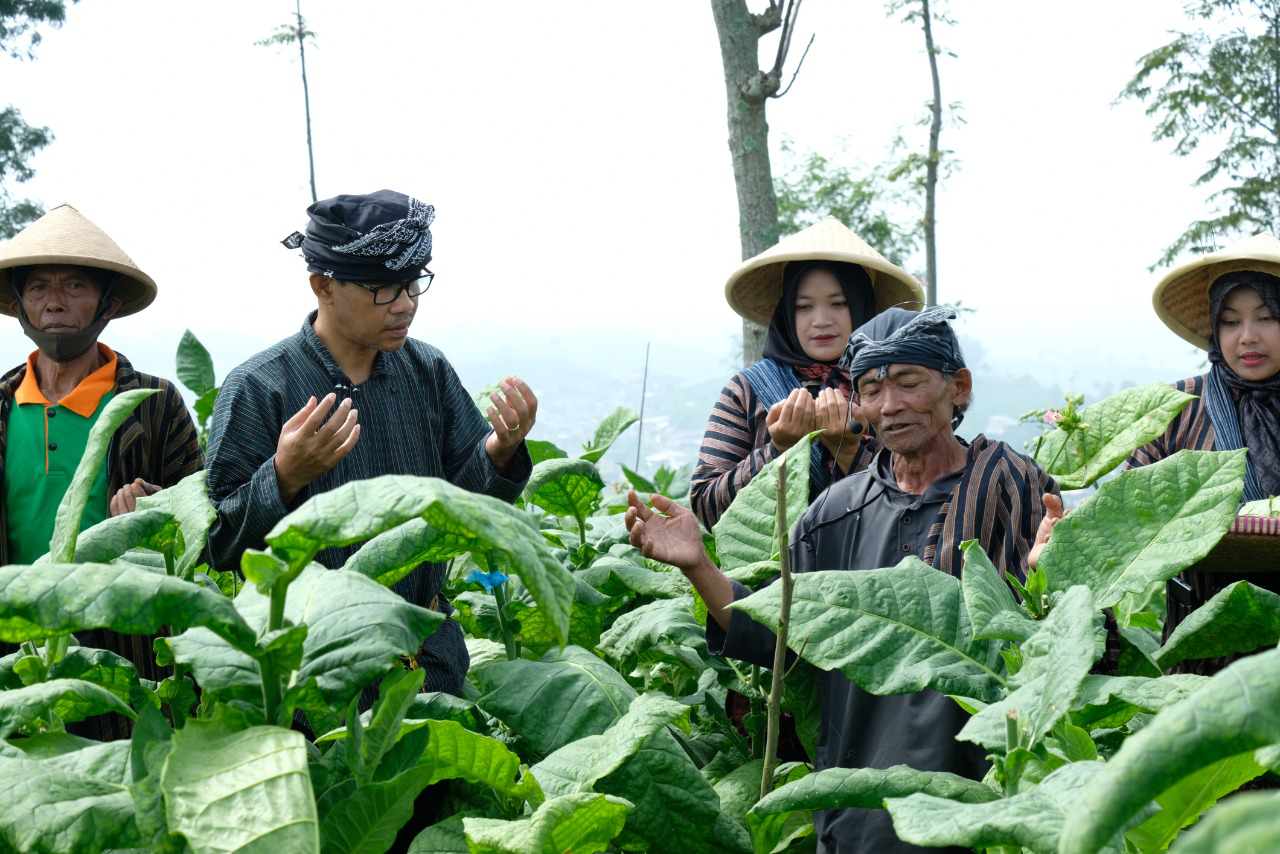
387	294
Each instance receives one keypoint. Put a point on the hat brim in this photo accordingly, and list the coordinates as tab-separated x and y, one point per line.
1181	299
755	288
1251	545
134	288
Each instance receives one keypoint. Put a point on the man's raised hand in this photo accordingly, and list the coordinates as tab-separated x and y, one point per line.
309	445
512	416
1054	513
671	535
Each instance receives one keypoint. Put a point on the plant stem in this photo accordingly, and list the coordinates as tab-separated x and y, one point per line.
508	639
271	680
582	529
1011	739
169	567
780	648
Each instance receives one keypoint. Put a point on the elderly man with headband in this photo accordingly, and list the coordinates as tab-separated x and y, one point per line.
351	396
924	493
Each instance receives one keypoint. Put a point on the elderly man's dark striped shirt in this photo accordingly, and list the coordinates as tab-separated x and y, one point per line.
415	418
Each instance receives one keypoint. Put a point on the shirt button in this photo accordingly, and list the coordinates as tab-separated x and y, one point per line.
51	412
906	547
53	446
906	520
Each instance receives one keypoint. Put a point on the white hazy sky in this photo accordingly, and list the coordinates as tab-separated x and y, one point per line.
576	155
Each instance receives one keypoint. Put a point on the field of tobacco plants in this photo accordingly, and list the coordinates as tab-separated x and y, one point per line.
593	718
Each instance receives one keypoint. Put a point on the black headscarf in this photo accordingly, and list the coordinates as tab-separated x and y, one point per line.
782	344
901	337
1257	403
381	238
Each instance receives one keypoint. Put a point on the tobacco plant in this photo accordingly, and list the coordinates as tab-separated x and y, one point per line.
593	717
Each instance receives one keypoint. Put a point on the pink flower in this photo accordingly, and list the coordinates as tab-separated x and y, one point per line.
1052	416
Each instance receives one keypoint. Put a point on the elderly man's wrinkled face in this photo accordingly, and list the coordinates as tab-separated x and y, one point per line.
911	408
62	299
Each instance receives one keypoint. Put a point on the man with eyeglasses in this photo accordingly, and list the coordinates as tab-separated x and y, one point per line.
351	396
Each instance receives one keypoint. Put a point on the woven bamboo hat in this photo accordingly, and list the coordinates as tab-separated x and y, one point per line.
1182	297
755	287
65	236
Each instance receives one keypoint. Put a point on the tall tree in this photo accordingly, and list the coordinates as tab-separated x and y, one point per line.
20	21
1221	89
813	187
749	89
286	34
927	14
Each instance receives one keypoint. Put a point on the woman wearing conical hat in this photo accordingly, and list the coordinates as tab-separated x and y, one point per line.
811	290
64	279
1227	303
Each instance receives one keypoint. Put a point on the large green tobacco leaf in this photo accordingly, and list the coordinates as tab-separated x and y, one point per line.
1239	618
453	751
393	554
244	791
358	511
1111	701
613	426
366	821
539	451
194	364
891	631
585	621
356	632
66	526
565	487
994	612
1034	819
102	668
110	538
1246	823
639	580
1055	662
445	836
1146	525
1182	804
584	822
188	502
395	695
68	699
75	802
1235	712
663	621
578	765
55	599
566	695
866	788
1126	420
748	530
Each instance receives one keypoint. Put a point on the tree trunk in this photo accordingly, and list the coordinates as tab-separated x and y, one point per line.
306	98
931	174
748	89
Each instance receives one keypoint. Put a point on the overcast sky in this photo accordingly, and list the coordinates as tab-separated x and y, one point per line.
576	155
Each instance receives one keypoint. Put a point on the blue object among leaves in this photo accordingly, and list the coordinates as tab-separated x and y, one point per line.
487	580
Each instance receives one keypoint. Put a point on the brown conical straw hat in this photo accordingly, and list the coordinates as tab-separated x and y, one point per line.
755	287
65	236
1182	297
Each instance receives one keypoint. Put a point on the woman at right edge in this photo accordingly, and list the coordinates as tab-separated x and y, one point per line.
1228	303
811	290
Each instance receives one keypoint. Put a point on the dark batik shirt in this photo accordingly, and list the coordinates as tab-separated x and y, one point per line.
866	522
415	418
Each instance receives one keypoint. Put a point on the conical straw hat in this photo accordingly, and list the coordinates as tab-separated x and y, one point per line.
65	236
754	288
1182	297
